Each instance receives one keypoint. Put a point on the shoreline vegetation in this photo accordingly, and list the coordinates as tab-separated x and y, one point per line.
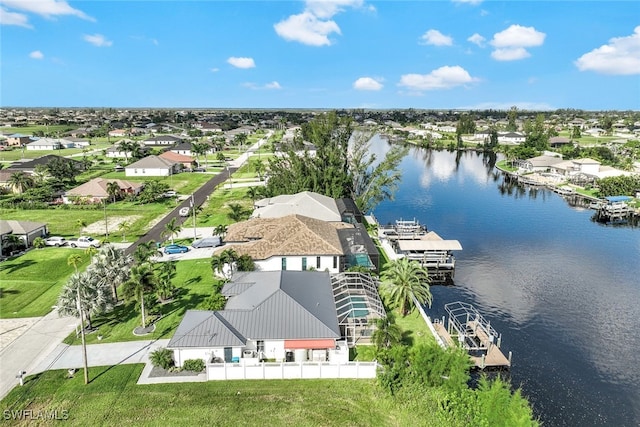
420	384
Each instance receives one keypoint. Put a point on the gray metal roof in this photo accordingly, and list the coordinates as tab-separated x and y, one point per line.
200	328
271	305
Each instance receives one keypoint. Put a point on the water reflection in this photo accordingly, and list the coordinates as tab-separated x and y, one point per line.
561	289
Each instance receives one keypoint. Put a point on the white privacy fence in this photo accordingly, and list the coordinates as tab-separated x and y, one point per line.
291	370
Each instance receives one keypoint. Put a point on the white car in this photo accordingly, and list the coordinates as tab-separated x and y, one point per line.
170	193
55	241
184	211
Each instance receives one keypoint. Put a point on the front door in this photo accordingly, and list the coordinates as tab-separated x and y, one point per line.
228	354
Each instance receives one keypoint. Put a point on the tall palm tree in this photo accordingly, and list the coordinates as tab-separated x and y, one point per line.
113	190
124	227
166	274
144	252
113	265
171	229
387	332
87	290
19	182
403	281
74	259
199	148
142	281
81	223
220	230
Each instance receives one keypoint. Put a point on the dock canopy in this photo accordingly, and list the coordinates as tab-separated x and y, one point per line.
617	199
429	245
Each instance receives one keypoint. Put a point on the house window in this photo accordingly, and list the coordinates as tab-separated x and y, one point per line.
304	263
284	264
335	262
318	262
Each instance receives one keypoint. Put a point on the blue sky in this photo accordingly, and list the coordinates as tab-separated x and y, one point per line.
333	54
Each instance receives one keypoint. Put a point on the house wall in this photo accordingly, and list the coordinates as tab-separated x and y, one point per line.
294	263
146	172
308	370
591	169
206	354
43	147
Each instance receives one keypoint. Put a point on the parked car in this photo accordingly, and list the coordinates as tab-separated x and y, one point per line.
55	241
175	249
199	169
84	242
207	242
184	211
170	193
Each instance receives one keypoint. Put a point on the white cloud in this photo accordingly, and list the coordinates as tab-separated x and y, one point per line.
471	2
477	39
367	83
442	78
314	25
620	57
436	38
273	85
13	18
510	44
326	9
46	8
307	29
98	40
240	62
36	54
214	70
505	106
510	54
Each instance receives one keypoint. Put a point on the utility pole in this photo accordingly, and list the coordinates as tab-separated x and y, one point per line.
193	210
106	226
84	343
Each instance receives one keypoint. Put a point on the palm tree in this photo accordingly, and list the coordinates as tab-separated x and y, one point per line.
81	223
39	243
74	259
166	274
237	212
19	182
13	241
220	157
171	229
126	147
124	227
113	265
144	252
218	262
89	291
113	190
258	167
142	281
387	333
199	149
404	282
220	230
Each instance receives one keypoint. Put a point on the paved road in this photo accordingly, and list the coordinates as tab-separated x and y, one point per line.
199	197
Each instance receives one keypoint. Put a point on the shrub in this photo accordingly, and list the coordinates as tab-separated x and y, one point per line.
162	358
195	365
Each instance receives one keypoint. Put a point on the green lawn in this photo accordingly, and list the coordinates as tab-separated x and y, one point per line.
113	398
32	282
214	211
183	183
195	282
63	221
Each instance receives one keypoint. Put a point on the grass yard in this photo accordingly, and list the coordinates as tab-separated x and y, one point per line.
113	398
214	211
63	221
195	282
32	282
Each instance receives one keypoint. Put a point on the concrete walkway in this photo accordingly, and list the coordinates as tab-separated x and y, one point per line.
28	350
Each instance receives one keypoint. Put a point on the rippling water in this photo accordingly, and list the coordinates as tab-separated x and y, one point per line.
563	290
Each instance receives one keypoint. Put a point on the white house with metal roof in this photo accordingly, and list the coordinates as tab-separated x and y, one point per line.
280	315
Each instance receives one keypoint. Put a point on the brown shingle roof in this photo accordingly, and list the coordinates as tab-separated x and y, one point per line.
262	238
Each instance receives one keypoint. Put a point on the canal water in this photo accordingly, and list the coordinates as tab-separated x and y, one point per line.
563	290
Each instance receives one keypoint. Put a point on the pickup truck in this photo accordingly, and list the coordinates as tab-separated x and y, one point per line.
83	242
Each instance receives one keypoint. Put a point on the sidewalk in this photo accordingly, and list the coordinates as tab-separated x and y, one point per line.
29	349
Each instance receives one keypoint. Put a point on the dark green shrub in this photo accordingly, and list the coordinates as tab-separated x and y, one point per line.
195	365
162	358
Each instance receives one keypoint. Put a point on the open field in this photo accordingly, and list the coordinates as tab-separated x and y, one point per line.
194	279
215	211
32	282
113	398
